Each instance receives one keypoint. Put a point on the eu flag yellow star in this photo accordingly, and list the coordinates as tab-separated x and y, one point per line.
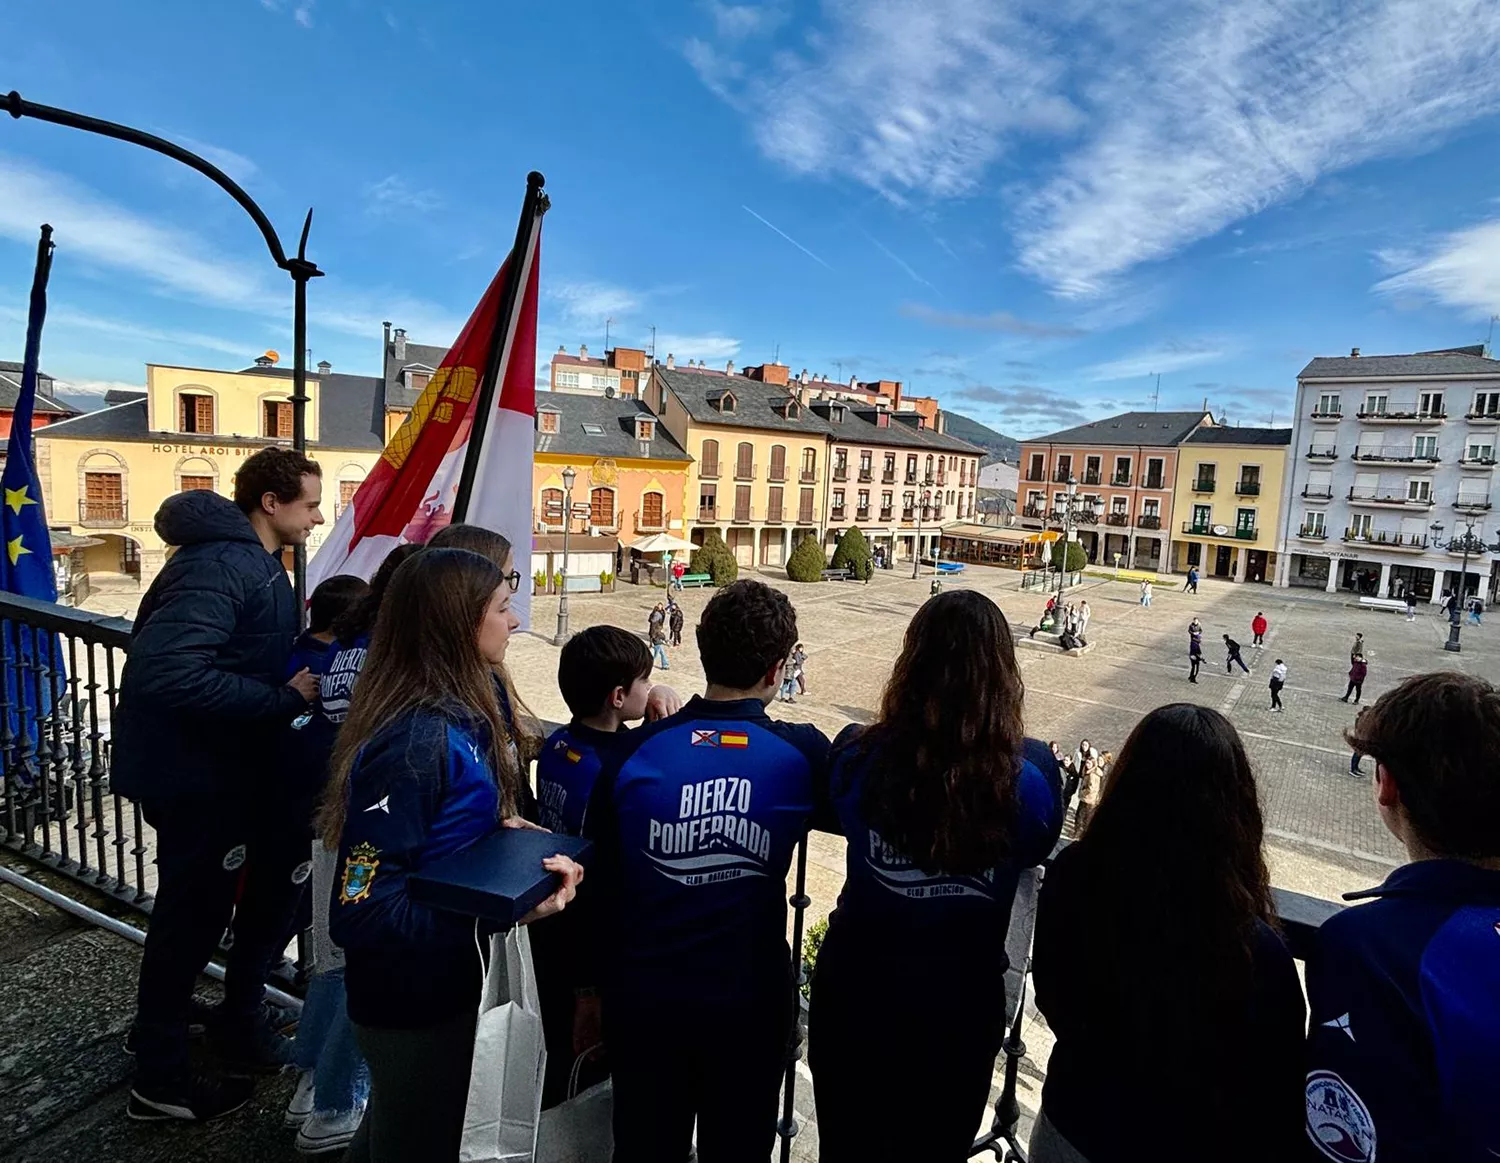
15	548
16	498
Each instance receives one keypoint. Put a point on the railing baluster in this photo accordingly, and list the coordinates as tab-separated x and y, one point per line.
38	729
8	736
49	651
119	840
96	768
76	757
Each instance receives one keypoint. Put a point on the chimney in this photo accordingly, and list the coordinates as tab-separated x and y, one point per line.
562	349
264	360
387	325
802	376
324	367
853	382
671	363
583	351
400	349
1354	353
729	368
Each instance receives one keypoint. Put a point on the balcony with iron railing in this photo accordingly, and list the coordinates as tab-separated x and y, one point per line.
1197	528
1117	519
1091	476
1247	488
1482	461
1313	532
708	514
776	474
807	476
1392	454
885	514
862	514
841	473
888	477
1245	532
865	476
1331	416
1401	414
1385	498
1317	492
743	515
1472	501
1035	512
836	512
649	524
774	513
909	514
1204	485
1086	517
81	873
1061	474
1153	482
1387	539
1148	521
745	471
1487	416
103	514
709	470
1322	452
1120	480
805	516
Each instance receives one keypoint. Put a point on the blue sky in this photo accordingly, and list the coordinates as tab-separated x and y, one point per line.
1025	207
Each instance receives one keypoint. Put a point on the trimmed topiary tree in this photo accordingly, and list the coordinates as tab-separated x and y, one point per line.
1077	559
853	553
807	563
713	558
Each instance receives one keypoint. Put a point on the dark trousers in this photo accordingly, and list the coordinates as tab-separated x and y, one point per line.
419	1088
1231	660
1194	661
1276	685
202	845
721	1065
1260	640
871	1058
1357	689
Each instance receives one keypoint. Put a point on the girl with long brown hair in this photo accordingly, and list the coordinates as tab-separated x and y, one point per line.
1158	970
422	768
943	802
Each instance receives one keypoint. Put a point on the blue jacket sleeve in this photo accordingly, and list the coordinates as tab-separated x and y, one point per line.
173	652
395	793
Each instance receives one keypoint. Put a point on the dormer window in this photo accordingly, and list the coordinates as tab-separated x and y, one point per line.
882	419
788	407
722	399
416	378
644	429
836	413
547	422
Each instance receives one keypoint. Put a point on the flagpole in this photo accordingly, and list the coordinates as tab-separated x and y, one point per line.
532	209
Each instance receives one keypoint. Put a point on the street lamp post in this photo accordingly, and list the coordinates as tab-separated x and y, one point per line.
568	477
916	545
1467	543
1069	499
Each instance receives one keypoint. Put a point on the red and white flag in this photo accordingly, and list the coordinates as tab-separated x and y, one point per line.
410	493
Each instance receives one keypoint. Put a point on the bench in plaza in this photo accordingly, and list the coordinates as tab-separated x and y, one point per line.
697	579
836	575
1397	605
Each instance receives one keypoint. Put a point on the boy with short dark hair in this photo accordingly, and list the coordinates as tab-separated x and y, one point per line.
1404	1034
604	674
695	823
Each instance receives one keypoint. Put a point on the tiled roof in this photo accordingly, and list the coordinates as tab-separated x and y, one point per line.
615	420
351	416
576	360
122	396
421	354
1357	367
1149	429
1223	434
753	407
10	390
899	433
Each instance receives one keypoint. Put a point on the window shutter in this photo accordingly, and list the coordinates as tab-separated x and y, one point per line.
204	406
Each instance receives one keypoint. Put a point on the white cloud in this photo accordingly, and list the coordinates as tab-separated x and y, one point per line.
713	349
1174	118
90	227
302	14
1169	357
1226	109
904	95
1461	271
97	388
587	305
393	194
738	21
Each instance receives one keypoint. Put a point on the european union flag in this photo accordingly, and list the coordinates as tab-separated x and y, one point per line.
26	560
34	676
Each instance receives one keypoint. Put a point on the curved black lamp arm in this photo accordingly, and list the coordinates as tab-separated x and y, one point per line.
298	267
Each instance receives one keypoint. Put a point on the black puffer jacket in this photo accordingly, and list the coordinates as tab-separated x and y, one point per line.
204	686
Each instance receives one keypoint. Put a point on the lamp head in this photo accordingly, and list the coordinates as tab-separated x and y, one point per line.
569	476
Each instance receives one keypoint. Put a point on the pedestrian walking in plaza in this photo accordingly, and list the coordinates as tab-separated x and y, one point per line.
1258	626
1171	859
674	621
1476	611
1411	605
1146	594
1355	757
1278	680
656	633
1357	671
1069	771
1090	788
944	796
203	699
1233	649
799	660
1084	614
1358	649
1191	585
678	569
1195	656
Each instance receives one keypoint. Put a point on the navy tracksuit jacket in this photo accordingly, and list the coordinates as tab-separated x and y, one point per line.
1404	1035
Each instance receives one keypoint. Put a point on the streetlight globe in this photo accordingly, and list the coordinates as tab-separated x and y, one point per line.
569	476
1437	528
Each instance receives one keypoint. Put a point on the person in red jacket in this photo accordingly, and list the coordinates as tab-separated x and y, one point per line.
1258	628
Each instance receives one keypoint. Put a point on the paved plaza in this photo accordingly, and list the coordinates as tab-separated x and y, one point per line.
1325	836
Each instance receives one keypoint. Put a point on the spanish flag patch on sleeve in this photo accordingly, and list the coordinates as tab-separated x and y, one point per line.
733	739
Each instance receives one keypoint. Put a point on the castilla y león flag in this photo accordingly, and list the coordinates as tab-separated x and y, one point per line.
412	491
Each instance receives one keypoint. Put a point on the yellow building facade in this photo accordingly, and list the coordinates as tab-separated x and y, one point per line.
105	473
1227	501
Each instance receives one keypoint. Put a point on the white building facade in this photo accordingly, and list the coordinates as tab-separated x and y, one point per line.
1385	448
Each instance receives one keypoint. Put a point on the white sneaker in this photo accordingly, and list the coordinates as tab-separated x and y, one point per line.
300	1109
328	1132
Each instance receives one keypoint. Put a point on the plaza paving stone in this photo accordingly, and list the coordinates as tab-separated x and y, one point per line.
1324	834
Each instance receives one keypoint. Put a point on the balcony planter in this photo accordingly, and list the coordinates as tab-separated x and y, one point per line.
539	582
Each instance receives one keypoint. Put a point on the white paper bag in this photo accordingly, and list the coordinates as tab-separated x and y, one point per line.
580	1130
510	1058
